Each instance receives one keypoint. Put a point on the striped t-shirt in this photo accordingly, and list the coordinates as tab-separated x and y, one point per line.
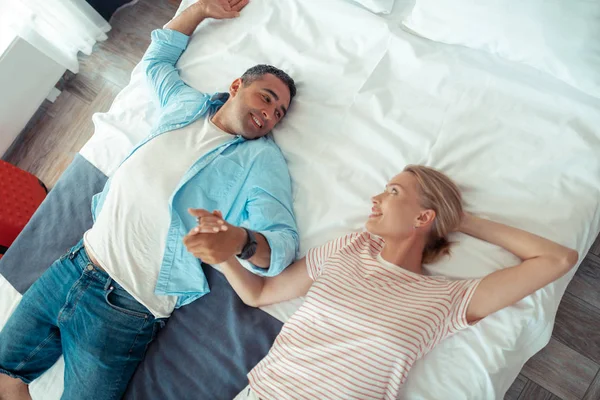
362	326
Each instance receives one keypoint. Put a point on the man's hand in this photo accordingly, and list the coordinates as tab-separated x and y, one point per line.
220	9
190	18
214	240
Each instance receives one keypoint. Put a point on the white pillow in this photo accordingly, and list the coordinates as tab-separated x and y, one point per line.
377	6
560	37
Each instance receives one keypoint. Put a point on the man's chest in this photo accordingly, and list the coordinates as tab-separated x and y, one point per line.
158	166
155	169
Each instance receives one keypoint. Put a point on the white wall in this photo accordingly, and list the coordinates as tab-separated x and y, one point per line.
26	78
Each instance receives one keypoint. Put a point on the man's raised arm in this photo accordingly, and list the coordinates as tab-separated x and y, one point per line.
188	20
168	44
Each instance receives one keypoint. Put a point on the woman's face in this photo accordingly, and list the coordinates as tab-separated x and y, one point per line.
397	211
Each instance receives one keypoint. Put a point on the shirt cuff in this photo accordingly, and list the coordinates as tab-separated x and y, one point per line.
282	254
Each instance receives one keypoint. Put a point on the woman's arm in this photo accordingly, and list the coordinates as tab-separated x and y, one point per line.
257	291
544	262
254	290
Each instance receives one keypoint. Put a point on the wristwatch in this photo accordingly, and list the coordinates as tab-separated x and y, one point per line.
250	247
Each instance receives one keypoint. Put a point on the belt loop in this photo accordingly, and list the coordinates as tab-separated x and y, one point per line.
75	249
108	283
72	254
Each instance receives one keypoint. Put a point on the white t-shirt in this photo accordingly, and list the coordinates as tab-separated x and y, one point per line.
128	238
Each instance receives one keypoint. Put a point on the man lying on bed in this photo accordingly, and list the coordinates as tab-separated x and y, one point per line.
102	302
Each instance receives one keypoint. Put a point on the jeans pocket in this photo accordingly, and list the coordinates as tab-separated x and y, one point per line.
121	301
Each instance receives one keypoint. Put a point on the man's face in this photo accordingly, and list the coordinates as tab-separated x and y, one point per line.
259	106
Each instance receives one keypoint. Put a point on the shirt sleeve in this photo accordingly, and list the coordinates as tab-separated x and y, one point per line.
270	210
461	293
159	64
318	256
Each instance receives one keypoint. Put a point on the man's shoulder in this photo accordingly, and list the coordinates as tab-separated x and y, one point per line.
265	161
265	149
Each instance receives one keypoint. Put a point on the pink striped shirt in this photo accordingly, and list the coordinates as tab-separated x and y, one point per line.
363	324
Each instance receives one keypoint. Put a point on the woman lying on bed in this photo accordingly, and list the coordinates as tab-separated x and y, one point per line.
370	312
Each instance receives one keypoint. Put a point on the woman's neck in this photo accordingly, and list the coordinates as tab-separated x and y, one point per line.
406	253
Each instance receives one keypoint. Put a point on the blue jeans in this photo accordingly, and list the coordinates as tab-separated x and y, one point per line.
77	310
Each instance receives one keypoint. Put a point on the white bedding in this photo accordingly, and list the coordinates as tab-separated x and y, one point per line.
373	98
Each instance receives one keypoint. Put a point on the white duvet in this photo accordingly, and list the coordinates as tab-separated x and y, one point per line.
372	98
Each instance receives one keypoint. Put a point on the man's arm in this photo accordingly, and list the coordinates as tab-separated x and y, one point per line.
214	240
262	257
191	17
168	45
270	214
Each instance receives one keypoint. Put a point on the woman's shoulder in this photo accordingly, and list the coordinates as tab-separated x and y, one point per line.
360	242
361	237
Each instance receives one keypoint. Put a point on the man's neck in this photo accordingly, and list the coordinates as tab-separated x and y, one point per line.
220	121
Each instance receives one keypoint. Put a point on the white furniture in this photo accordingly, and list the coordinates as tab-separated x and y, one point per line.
27	76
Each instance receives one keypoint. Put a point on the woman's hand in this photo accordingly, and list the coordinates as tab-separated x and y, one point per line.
211	224
217	241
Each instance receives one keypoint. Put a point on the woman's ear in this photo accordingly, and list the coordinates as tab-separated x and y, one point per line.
235	87
426	218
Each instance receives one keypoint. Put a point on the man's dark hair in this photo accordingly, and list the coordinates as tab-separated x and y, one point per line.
258	71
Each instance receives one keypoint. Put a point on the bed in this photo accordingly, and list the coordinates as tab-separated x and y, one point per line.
522	145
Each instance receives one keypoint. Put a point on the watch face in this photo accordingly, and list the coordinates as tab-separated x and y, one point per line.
251	246
249	251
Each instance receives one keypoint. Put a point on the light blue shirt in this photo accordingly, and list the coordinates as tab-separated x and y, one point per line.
247	180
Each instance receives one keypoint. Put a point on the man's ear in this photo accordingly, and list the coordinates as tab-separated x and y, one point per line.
235	87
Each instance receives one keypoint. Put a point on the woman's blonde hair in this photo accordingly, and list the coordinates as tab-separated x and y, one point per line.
437	192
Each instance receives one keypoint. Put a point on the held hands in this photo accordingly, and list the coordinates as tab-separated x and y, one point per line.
220	9
214	240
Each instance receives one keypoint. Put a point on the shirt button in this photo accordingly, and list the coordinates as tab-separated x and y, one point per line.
90	267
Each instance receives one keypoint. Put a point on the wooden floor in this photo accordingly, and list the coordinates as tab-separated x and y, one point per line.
568	368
